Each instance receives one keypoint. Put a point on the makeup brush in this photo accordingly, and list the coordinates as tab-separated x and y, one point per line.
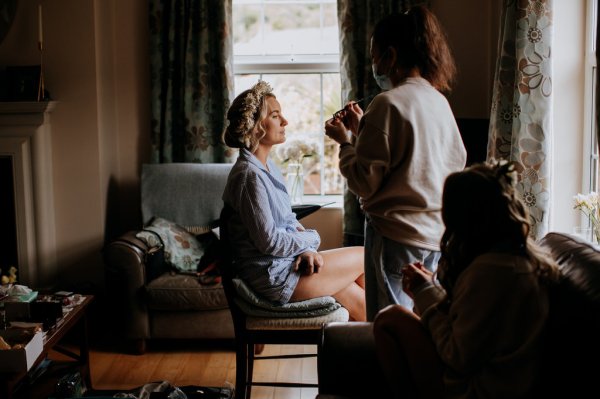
364	99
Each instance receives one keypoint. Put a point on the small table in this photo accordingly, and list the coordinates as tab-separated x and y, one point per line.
75	320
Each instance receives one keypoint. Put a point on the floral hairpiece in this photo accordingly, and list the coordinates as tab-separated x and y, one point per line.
252	103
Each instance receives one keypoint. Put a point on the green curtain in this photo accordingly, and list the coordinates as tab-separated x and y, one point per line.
521	118
191	61
356	19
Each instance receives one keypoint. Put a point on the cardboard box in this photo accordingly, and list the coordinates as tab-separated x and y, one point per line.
20	360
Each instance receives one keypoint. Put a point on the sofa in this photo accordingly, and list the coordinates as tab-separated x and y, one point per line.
150	300
348	367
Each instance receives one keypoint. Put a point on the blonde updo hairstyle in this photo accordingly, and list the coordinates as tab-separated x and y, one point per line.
245	115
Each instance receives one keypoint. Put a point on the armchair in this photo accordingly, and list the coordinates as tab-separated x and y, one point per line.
348	366
154	303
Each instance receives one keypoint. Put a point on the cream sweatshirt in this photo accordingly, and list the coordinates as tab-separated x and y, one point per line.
408	144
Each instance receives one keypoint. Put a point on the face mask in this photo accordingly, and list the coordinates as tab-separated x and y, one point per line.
383	81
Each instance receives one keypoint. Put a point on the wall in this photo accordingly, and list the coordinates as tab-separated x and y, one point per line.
568	84
96	66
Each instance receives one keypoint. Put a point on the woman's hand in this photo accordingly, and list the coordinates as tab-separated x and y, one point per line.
353	113
335	129
308	262
413	276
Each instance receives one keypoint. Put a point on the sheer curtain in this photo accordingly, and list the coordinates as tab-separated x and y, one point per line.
521	118
357	18
191	61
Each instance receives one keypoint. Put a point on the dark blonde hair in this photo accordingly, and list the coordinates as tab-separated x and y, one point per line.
481	210
419	40
245	115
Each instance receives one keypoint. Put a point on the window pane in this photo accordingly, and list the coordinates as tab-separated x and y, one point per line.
292	29
330	40
247	34
333	182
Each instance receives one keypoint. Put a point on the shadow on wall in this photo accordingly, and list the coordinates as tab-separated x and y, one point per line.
123	211
474	133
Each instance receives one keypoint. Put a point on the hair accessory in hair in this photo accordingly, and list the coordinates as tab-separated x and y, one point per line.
251	106
505	170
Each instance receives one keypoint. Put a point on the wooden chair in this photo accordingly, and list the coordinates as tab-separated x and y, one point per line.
252	330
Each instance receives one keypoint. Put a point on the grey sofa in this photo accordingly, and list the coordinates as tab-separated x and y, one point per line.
151	305
348	366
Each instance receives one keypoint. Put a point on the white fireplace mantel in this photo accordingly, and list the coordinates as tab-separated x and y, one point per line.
25	137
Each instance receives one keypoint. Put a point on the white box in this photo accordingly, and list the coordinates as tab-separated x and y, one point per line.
21	360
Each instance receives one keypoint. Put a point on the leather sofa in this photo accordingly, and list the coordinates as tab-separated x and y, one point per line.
150	305
348	366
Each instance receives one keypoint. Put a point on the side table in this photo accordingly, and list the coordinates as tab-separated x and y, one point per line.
75	321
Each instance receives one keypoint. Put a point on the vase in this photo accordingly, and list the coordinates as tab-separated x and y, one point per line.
294	179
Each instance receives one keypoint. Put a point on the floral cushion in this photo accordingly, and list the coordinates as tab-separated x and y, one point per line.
182	250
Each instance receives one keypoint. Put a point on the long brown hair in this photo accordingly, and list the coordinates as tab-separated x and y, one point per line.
420	41
482	211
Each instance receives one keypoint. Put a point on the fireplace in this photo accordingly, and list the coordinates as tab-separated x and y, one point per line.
27	190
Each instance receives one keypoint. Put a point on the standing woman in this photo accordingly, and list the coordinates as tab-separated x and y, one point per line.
273	253
407	142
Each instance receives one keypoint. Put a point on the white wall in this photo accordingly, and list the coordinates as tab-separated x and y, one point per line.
568	96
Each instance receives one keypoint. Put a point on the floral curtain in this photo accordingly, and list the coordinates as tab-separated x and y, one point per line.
520	123
357	18
191	79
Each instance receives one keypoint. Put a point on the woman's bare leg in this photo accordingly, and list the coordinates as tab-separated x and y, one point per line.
407	355
342	276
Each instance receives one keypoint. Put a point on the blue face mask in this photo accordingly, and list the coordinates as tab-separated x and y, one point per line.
383	81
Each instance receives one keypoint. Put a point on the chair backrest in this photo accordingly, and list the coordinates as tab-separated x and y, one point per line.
227	271
188	194
574	324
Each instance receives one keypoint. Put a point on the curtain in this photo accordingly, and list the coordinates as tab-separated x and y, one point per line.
521	118
191	61
356	19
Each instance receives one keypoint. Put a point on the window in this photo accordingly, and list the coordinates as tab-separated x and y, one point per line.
591	176
294	45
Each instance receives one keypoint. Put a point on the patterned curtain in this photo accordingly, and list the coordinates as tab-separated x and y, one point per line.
192	81
521	119
357	18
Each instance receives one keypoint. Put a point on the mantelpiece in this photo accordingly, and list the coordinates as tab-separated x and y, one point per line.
25	137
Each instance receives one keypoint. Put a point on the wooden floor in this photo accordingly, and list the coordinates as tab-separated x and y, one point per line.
205	366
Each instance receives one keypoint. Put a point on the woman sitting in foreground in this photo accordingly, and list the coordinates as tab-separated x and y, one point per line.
480	334
273	253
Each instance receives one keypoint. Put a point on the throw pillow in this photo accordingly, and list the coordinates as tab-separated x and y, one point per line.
182	249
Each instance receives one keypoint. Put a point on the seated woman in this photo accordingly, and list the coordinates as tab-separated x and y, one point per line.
480	334
273	253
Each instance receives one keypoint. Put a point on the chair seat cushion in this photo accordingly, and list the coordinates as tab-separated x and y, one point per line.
253	305
184	292
296	323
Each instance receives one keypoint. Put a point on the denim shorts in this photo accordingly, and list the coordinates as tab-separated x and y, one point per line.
384	260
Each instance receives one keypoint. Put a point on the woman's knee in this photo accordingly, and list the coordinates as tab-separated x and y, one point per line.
390	316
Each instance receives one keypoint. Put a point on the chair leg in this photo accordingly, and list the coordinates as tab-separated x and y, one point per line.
250	365
241	369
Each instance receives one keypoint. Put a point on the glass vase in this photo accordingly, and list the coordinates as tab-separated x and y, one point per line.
294	179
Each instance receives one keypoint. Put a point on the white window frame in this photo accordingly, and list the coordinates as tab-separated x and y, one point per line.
294	64
590	146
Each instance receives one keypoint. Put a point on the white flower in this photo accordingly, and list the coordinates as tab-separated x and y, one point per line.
590	206
297	149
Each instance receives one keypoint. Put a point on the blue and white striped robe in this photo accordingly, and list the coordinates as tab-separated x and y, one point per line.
263	230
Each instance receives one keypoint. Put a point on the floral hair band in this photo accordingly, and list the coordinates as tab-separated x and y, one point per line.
250	107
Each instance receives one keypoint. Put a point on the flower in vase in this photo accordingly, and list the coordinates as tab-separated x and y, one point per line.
590	206
296	150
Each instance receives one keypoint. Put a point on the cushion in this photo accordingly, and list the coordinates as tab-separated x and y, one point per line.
253	305
182	250
297	323
184	292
